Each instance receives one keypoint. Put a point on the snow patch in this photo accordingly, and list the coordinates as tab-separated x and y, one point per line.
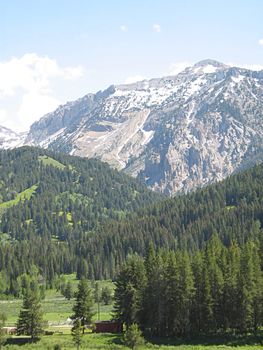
195	86
237	79
52	138
147	136
209	69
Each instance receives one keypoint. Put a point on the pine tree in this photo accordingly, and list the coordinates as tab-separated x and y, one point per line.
230	305
106	295
83	305
171	301
77	332
128	292
197	309
246	289
30	321
154	306
68	291
185	293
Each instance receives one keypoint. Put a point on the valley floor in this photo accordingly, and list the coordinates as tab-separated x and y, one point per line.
109	341
57	310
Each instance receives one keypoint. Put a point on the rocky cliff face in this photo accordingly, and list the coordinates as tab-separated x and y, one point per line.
176	133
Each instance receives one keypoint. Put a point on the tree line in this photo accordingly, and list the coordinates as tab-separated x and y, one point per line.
173	293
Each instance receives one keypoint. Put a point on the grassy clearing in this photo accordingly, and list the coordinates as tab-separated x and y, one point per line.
230	207
50	161
111	341
22	196
56	308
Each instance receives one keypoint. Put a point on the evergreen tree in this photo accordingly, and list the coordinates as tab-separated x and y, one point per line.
128	292
197	302
154	304
185	293
77	332
30	321
67	292
83	305
133	337
106	295
230	305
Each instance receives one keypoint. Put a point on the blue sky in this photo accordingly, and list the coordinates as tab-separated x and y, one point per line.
52	51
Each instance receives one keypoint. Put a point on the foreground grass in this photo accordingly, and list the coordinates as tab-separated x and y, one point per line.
110	341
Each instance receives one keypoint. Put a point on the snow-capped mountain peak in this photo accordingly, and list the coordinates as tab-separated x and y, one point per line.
11	139
175	133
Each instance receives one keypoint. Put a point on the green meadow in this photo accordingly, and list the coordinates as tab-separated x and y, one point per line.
57	310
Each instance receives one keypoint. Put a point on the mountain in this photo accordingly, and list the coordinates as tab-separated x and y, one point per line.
175	133
60	196
232	210
10	139
51	205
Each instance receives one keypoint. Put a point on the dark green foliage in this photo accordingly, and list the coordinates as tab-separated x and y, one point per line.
106	295
57	347
218	289
30	321
67	291
87	218
77	332
133	337
128	293
83	305
51	226
233	209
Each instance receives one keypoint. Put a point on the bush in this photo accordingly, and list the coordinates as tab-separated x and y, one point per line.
133	337
57	347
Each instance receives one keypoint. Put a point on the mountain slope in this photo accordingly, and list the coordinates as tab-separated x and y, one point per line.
231	209
60	228
175	133
59	196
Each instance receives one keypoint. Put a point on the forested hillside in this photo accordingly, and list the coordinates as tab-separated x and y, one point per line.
232	209
65	214
48	202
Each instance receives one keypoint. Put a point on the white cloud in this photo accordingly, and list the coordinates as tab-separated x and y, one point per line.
3	115
178	67
35	105
157	28
134	79
260	41
123	28
29	79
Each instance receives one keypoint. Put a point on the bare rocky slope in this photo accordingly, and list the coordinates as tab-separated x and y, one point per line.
176	133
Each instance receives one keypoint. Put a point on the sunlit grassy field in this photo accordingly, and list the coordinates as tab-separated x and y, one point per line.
57	310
